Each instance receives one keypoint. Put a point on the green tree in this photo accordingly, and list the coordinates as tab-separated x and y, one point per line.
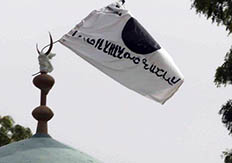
10	133
220	12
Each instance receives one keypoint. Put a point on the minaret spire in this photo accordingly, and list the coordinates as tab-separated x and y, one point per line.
44	82
43	113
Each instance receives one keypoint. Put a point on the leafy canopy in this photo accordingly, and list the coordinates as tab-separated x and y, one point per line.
226	112
220	12
10	133
223	75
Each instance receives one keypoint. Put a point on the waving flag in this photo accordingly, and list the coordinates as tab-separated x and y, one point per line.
118	45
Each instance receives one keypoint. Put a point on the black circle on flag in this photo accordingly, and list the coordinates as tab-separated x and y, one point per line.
137	39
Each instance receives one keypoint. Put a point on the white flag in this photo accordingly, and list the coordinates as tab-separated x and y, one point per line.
114	42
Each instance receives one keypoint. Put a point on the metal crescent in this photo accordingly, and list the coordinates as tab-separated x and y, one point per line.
51	44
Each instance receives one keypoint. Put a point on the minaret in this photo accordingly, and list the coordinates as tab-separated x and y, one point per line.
42	148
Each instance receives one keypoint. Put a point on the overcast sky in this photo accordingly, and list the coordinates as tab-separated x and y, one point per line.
97	115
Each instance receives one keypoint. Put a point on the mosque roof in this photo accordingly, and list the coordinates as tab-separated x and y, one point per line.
42	149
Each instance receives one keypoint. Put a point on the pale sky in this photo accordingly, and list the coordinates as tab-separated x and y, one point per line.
97	115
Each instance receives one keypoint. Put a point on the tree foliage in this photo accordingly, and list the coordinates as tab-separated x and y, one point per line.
227	156
220	12
10	133
223	75
226	112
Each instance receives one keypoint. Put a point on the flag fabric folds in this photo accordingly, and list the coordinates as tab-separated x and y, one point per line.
117	44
